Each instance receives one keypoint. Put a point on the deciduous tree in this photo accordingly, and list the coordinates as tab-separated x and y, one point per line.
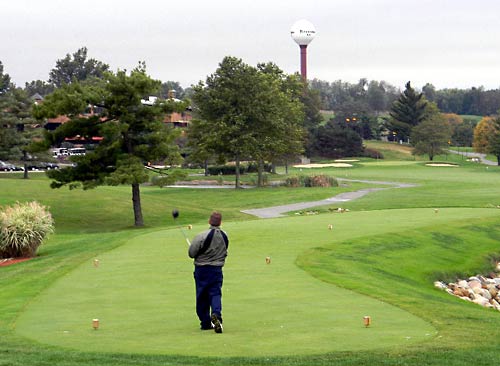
431	135
494	139
244	111
76	67
38	86
335	140
481	133
5	83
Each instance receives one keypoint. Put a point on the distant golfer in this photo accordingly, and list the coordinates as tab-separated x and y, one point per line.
209	250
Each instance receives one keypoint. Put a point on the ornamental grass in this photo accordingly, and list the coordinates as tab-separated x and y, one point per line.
23	228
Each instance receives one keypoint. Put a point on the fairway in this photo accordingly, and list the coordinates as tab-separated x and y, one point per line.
143	293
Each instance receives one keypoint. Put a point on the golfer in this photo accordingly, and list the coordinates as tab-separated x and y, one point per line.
209	250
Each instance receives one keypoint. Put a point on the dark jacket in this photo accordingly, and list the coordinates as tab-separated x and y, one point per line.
216	252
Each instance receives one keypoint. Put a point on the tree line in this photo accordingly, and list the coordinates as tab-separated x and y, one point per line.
378	96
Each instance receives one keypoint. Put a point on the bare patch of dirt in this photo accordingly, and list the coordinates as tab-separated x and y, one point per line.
10	261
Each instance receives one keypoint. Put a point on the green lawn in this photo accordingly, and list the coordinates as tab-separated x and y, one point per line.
306	307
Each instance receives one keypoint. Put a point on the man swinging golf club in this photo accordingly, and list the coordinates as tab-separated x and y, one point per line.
209	250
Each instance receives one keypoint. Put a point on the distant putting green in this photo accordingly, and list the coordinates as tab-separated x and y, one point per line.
143	293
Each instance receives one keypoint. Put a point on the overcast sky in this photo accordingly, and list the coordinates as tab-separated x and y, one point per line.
449	43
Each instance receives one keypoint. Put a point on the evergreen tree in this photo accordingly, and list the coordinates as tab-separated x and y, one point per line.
15	115
407	111
132	133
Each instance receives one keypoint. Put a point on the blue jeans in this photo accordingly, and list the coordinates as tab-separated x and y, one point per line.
208	281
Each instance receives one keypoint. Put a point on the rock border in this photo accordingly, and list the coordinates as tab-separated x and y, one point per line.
479	289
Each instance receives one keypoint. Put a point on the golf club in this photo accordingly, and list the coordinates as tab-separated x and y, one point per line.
175	215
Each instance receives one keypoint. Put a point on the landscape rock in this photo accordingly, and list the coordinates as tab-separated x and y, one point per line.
475	284
482	290
440	285
493	290
486	294
481	301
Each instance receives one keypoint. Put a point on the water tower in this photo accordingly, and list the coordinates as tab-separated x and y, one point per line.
303	33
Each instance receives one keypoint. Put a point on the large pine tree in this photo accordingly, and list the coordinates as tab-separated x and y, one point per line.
133	133
407	112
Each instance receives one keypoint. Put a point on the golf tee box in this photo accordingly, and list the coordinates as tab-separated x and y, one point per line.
95	324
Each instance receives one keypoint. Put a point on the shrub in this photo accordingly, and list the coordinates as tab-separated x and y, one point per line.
322	181
224	170
311	181
293	181
23	227
372	153
231	169
253	168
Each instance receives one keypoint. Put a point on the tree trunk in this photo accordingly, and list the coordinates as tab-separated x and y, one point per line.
25	157
286	167
498	160
205	166
260	170
237	180
136	201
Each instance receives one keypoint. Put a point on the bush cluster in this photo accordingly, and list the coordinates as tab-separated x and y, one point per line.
311	181
372	153
231	169
23	227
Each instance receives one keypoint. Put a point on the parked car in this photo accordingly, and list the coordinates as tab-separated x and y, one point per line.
49	166
8	167
41	165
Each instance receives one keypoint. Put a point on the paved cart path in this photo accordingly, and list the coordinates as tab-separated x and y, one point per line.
278	211
482	157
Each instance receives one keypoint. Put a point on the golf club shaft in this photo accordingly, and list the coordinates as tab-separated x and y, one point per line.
185	236
175	214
